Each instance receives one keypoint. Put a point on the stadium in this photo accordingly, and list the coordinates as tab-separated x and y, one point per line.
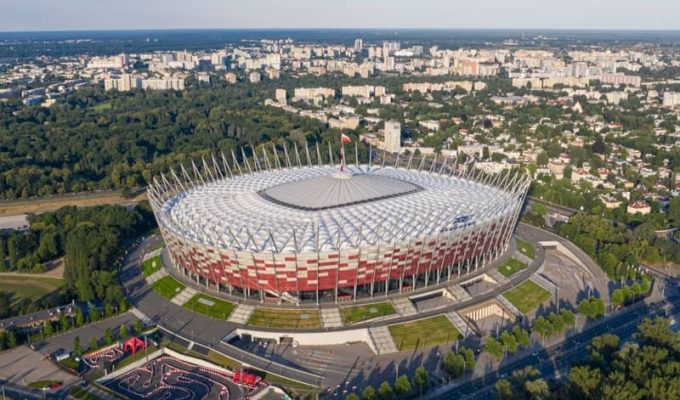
297	231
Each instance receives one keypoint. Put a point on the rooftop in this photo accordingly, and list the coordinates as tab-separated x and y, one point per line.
337	190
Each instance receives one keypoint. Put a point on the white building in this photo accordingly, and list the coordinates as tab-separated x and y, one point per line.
392	134
281	96
671	99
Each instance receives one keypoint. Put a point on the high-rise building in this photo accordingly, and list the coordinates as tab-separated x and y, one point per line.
392	133
358	45
281	96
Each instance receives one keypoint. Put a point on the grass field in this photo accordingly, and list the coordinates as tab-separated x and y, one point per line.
526	248
167	287
151	265
31	288
278	318
423	333
56	202
201	304
510	267
527	296
105	106
352	315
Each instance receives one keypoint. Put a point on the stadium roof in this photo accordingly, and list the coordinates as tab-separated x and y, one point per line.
312	208
336	190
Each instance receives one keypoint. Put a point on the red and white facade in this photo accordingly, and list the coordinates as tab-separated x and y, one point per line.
310	233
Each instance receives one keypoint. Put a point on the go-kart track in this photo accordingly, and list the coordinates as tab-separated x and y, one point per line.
166	378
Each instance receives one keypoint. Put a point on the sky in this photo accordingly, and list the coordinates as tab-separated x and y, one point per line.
46	15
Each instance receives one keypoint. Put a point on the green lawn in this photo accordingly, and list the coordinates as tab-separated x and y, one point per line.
151	265
526	248
510	267
423	333
210	306
167	287
527	296
43	384
30	288
352	315
279	318
105	106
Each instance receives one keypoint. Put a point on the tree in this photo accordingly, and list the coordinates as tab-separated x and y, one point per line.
48	329
351	396
137	327
76	346
63	323
80	319
385	391
509	342
592	307
521	335
122	331
421	379
108	336
617	298
93	343
674	210
603	347
369	393
584	382
469	357
504	390
494	347
11	339
402	386
454	364
537	389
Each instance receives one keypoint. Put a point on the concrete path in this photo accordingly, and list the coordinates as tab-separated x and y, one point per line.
382	339
404	306
459	323
544	283
508	305
459	293
156	276
241	314
496	276
330	318
184	296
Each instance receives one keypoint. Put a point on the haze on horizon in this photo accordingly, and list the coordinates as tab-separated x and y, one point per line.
47	15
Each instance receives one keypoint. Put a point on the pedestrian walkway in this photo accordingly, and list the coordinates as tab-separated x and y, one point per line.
459	323
459	293
141	316
382	340
330	318
153	254
404	306
241	314
508	305
184	296
496	276
156	276
541	281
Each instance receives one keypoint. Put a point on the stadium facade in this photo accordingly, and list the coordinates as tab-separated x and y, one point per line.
299	231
